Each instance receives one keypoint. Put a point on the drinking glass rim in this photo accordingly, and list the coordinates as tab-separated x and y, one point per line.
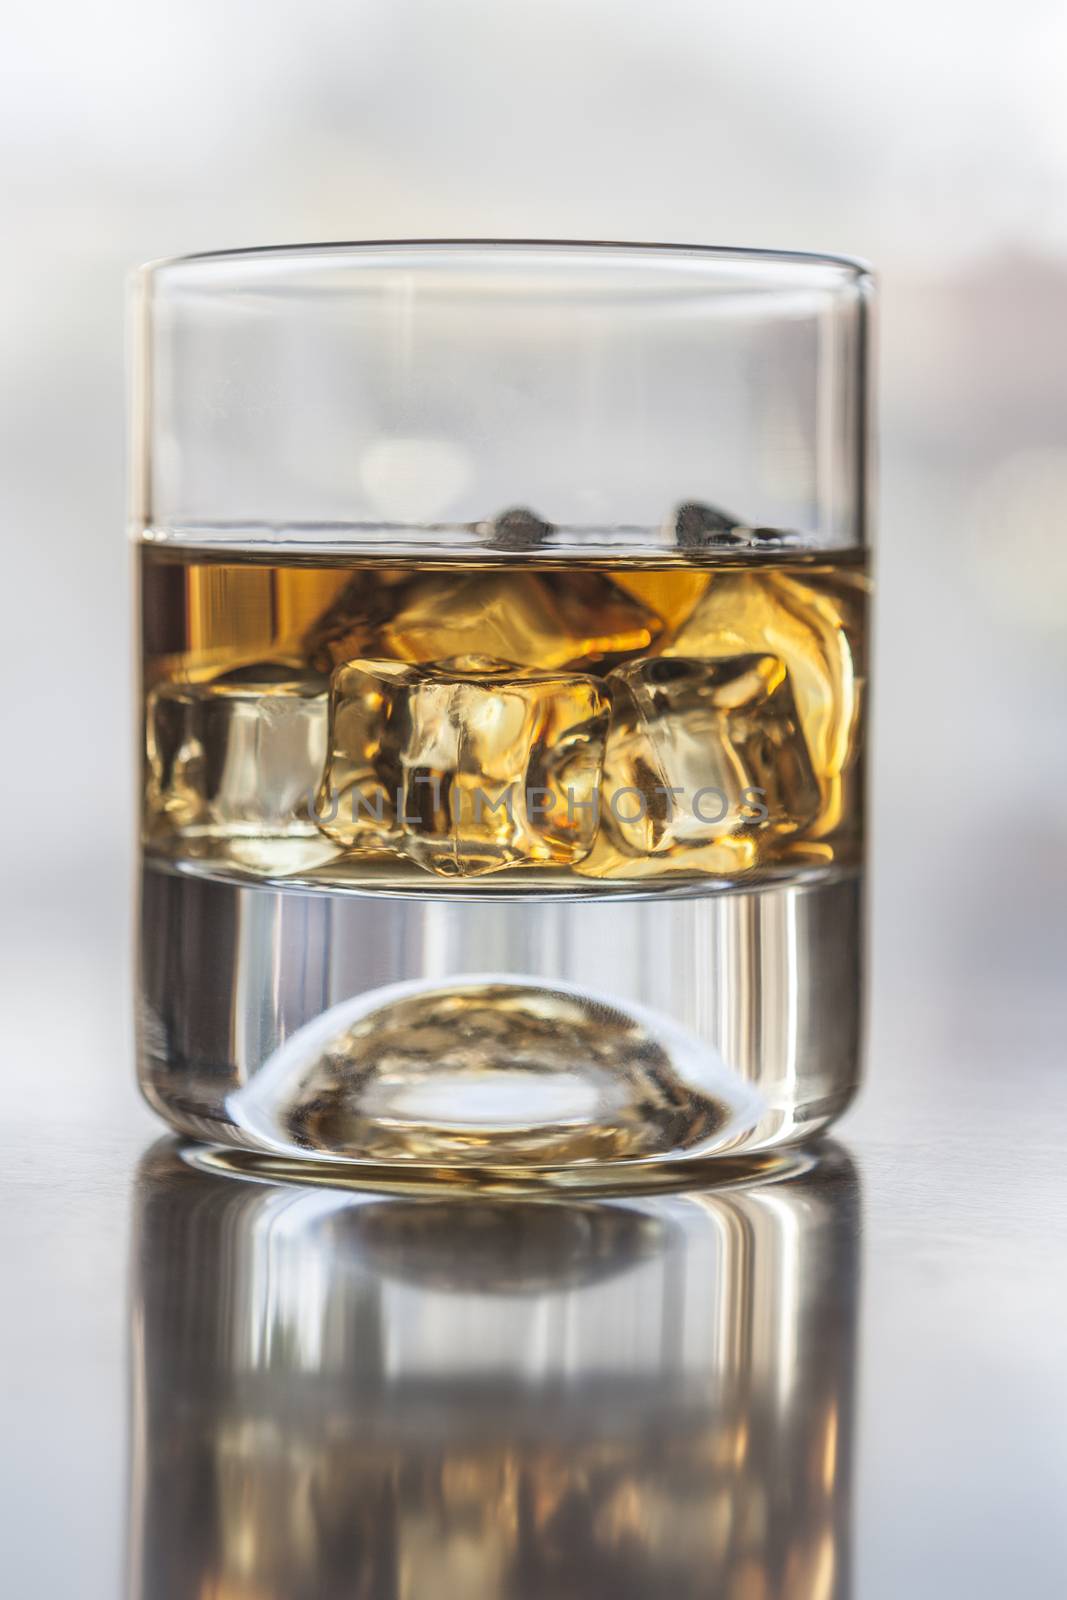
852	267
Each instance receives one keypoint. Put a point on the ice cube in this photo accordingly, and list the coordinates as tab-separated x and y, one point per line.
465	765
779	614
350	626
545	619
704	767
232	767
670	592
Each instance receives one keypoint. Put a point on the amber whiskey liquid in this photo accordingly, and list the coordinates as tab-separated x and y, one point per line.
506	724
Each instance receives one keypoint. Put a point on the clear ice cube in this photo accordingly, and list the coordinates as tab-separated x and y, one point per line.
781	615
233	764
545	620
464	766
705	765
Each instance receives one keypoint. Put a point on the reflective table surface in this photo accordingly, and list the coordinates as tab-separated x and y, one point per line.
849	1381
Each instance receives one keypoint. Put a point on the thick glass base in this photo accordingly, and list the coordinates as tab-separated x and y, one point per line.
509	1044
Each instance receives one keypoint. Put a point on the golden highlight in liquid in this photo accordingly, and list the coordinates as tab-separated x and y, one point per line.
510	724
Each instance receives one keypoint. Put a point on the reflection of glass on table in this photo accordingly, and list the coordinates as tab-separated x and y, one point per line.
340	1395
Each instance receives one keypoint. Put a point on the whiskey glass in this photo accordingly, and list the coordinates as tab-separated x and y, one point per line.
504	629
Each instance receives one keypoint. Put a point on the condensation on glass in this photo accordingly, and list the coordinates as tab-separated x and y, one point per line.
504	643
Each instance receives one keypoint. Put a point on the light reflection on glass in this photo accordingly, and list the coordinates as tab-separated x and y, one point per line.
393	1399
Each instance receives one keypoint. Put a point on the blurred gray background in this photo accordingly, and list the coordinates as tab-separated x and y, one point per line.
931	139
